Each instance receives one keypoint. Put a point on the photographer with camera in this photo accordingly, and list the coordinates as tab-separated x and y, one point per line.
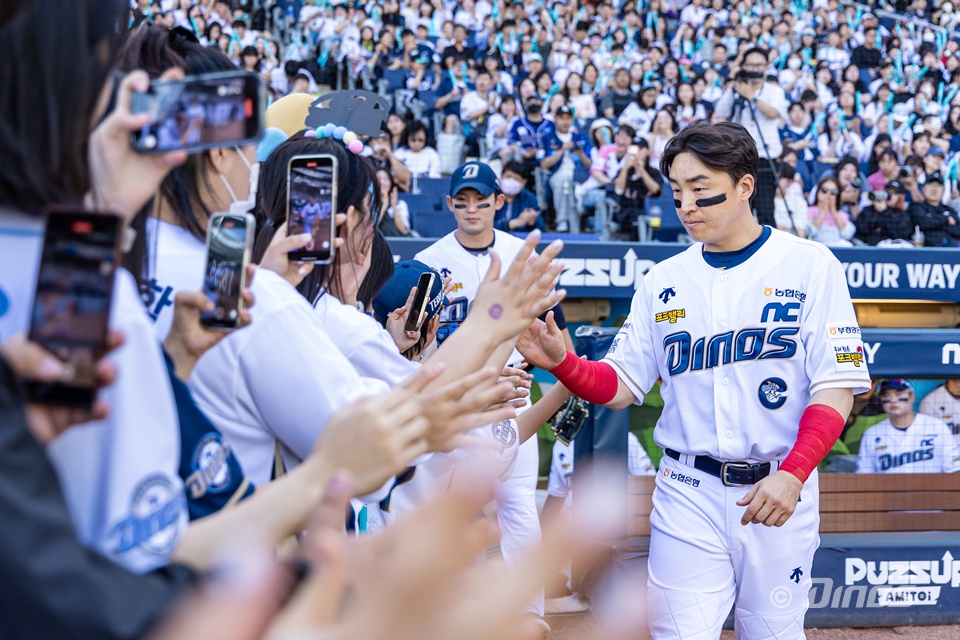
938	224
886	217
759	106
909	172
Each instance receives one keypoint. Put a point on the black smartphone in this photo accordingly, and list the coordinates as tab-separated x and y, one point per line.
312	205
71	306
420	300
201	112
229	244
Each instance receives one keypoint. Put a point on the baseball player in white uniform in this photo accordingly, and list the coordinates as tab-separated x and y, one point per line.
906	442
464	256
944	403
754	336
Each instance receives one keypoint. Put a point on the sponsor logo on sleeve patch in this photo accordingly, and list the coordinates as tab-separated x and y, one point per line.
838	331
671	316
849	355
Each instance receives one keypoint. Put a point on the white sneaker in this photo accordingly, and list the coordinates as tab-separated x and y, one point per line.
563	227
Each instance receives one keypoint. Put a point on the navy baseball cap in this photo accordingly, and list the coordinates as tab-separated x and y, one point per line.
935	177
896	186
564	111
898	385
936	151
474	175
406	275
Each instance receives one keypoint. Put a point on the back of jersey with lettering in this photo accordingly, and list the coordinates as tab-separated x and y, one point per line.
741	350
177	262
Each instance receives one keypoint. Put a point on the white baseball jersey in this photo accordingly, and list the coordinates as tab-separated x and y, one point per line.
516	497
280	379
926	446
741	350
940	403
177	262
468	270
561	467
119	475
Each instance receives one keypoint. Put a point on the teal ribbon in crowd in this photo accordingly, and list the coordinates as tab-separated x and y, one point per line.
817	122
856	99
890	102
940	94
879	42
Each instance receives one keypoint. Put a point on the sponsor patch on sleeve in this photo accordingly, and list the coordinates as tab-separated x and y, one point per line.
849	355
842	331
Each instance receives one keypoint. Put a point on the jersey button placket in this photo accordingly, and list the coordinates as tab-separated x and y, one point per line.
725	402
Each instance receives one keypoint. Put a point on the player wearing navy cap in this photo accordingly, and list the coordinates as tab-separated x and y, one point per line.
464	256
754	335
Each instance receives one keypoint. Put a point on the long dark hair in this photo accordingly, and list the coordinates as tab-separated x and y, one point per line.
356	177
381	270
55	58
156	49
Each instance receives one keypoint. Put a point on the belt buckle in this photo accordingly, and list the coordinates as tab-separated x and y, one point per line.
724	467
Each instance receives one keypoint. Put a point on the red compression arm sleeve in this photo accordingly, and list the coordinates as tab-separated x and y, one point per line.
820	427
595	382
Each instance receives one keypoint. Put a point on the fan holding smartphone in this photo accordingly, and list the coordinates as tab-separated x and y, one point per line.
312	205
394	303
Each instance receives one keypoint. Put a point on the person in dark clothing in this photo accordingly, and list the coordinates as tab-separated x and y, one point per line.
460	51
938	223
63	589
867	55
637	181
886	218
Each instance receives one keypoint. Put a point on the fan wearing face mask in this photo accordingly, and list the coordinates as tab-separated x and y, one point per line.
171	252
521	211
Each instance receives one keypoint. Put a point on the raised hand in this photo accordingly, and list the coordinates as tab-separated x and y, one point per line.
398	320
542	344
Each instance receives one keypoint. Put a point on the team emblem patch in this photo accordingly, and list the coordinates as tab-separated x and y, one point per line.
154	521
666	294
211	473
772	393
504	433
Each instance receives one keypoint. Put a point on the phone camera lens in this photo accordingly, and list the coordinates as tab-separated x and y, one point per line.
150	142
219	313
233	315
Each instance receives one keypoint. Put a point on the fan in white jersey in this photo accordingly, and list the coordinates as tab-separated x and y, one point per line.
175	227
119	474
754	336
906	442
944	403
464	256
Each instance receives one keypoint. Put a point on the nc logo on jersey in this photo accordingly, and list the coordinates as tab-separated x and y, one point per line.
210	469
772	393
666	294
154	521
671	316
781	312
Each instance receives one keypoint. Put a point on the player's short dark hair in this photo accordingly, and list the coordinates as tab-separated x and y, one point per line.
723	146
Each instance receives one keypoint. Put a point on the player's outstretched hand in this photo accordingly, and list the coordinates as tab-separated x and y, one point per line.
542	344
188	338
30	361
520	384
507	305
771	501
123	180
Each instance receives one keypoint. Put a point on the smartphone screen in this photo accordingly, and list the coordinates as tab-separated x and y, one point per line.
415	314
71	307
311	205
229	241
201	112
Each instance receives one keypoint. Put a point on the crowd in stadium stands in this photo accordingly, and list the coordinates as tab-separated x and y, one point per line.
857	107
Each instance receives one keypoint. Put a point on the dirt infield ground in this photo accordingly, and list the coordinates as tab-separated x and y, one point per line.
579	627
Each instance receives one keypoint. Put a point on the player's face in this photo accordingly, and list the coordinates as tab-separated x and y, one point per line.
897	402
473	212
720	227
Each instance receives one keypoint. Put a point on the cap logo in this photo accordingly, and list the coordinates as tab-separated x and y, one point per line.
471	171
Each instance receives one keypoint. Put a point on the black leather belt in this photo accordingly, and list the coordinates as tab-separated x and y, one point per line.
732	474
